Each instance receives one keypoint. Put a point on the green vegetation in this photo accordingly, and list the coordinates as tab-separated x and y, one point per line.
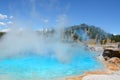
1	34
115	38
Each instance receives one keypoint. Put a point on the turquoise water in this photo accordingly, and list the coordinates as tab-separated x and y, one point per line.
49	66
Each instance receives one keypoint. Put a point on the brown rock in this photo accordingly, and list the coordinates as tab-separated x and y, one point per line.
114	60
113	64
109	53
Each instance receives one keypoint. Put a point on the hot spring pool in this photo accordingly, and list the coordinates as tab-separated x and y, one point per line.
33	66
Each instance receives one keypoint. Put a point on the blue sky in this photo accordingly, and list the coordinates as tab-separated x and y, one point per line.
54	13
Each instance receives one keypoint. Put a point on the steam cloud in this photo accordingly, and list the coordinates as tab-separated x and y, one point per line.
17	43
20	42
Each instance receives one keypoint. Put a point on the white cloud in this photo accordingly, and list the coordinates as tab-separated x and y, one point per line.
3	16
5	20
62	20
45	20
67	7
2	24
50	4
5	30
11	17
9	22
34	12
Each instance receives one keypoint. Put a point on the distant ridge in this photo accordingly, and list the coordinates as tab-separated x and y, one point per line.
84	32
81	32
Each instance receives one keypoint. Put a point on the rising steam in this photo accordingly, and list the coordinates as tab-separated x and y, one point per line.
26	41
